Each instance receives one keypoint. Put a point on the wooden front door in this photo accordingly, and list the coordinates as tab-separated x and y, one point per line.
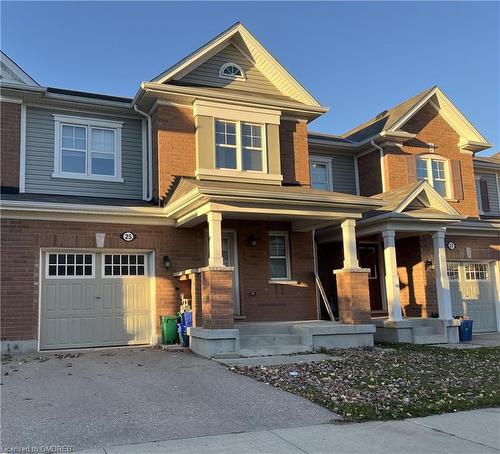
368	258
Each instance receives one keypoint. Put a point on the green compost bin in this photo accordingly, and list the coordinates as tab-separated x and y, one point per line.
168	328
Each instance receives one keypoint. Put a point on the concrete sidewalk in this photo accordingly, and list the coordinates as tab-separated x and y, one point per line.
466	432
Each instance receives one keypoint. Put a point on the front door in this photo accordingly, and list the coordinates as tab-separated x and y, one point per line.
230	257
368	258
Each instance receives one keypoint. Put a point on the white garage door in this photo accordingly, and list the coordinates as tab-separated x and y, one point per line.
91	299
472	293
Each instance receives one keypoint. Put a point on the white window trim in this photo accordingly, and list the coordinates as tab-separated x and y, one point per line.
239	147
329	163
479	195
287	256
111	276
487	271
430	177
88	123
225	76
90	276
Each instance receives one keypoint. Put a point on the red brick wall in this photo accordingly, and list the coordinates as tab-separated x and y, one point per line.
20	247
431	127
294	153
174	146
353	297
21	241
274	301
370	179
10	130
217	297
482	248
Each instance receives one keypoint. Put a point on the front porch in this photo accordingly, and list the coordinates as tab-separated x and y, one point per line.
403	247
257	293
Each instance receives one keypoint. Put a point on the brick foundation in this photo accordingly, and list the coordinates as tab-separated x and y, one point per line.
217	297
353	296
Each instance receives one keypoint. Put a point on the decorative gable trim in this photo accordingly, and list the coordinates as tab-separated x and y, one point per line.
14	68
471	138
241	38
428	196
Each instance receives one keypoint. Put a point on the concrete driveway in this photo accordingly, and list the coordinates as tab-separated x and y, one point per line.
123	396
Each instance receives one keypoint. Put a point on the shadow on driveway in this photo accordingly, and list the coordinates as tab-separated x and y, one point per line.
121	396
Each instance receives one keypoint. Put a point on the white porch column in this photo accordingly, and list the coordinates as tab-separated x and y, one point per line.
442	281
349	241
215	239
391	276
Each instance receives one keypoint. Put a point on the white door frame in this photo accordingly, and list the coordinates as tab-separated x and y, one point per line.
236	275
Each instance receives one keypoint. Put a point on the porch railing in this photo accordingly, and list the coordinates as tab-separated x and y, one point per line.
323	296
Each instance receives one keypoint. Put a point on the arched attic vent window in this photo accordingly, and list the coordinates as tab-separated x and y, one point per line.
231	71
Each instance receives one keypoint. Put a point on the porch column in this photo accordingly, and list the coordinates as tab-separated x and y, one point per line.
349	241
391	276
442	281
215	239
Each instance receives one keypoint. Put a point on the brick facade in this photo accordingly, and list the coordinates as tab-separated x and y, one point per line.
353	297
370	178
431	127
174	146
294	150
21	241
217	297
10	143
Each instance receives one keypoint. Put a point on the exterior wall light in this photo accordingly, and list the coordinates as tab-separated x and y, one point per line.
429	265
166	262
252	241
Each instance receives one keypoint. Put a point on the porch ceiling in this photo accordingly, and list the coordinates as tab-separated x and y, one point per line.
307	209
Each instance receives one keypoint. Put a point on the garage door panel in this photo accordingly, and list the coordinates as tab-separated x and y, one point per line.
95	310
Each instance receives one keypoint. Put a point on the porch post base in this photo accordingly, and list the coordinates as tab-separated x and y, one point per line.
214	343
217	297
353	295
421	331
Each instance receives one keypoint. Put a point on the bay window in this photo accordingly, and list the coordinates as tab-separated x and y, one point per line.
87	148
435	172
240	146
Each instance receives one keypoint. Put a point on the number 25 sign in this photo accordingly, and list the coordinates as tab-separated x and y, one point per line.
128	236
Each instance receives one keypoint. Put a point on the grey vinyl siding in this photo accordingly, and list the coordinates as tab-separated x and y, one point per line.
343	171
492	193
40	158
208	73
344	174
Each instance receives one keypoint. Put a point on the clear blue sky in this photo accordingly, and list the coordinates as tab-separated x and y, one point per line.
357	58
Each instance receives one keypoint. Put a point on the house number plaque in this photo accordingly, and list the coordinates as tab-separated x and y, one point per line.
128	236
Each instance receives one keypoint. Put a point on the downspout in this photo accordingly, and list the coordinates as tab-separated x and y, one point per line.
382	170
149	153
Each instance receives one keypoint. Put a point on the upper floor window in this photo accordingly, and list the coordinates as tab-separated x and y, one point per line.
321	177
231	71
435	172
239	146
87	148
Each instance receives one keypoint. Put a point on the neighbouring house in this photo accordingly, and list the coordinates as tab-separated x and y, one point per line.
207	185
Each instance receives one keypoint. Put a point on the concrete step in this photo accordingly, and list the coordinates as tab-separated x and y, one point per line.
265	340
274	350
426	330
264	328
430	339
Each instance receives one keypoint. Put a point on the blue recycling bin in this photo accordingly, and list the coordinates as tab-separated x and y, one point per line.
465	331
187	318
183	336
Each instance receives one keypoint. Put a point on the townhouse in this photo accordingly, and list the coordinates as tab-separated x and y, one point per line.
208	186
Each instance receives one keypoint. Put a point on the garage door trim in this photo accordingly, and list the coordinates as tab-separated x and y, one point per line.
151	261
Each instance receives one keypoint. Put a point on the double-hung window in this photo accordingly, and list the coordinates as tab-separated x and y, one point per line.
240	146
279	255
321	174
435	172
87	148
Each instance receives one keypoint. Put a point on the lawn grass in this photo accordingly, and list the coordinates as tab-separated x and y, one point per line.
392	382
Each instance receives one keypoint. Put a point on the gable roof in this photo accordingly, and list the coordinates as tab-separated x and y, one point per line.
11	72
244	41
418	200
393	119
